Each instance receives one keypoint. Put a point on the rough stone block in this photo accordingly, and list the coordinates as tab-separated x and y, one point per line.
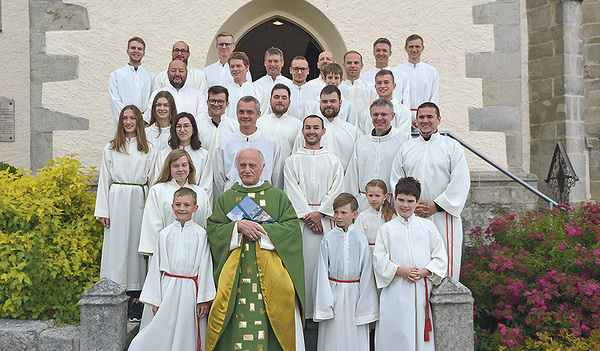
545	111
539	18
495	119
543	148
505	12
493	65
574	85
514	151
544	131
591	11
62	338
53	68
42	144
18	335
502	92
534	4
546	67
507	38
555	32
540	89
592	52
54	15
545	49
452	315
569	11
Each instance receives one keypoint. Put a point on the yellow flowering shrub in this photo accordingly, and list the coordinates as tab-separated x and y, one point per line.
50	242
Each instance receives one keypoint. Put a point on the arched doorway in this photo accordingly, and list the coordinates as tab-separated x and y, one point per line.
285	35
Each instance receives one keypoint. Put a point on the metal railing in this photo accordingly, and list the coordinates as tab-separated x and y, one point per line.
551	203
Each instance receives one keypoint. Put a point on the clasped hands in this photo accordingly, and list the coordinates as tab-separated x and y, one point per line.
413	275
425	209
251	230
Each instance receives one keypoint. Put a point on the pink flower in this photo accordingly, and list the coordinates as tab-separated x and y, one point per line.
562	246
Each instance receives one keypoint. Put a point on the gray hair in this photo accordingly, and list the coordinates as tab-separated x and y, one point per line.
250	98
262	158
382	102
274	51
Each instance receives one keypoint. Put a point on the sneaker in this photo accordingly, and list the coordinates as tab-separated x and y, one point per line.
134	310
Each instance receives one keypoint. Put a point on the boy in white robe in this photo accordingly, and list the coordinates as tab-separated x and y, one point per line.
179	284
344	294
409	256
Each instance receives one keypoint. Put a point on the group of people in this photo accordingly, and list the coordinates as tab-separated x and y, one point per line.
261	184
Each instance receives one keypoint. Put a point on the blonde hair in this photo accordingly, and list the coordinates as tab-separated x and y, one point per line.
118	143
387	211
165	172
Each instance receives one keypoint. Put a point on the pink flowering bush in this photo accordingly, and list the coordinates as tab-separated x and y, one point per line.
535	274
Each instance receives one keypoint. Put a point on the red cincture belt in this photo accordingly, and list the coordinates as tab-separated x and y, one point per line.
195	279
344	281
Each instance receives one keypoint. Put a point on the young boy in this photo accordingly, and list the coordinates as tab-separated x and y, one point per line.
344	294
179	283
409	255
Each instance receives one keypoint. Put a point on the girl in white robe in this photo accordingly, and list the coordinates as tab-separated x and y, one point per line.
127	165
379	212
162	113
184	135
179	281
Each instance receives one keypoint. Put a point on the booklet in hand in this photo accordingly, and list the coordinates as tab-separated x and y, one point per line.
248	209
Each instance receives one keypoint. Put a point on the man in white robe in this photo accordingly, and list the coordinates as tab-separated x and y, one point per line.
195	77
239	65
374	153
385	86
300	92
273	64
341	135
131	84
279	124
324	59
353	88
312	179
186	99
382	51
218	73
218	124
248	136
423	78
439	163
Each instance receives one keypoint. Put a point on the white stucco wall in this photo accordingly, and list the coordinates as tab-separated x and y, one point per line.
446	26
14	61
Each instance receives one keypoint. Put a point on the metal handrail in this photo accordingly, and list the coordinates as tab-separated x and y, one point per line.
551	203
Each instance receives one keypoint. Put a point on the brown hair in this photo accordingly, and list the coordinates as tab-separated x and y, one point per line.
330	89
165	172
118	143
218	89
139	40
387	211
353	52
408	186
183	191
239	55
172	108
344	199
333	68
174	138
384	72
414	37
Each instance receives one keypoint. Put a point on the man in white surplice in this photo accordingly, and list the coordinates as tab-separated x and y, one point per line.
132	83
195	77
273	64
248	136
218	73
341	135
439	163
385	86
239	65
312	179
279	124
217	125
353	88
382	51
374	153
186	99
324	59
300	91
423	78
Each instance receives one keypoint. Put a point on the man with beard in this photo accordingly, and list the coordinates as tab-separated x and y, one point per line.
279	124
341	135
131	84
195	77
186	99
300	92
312	179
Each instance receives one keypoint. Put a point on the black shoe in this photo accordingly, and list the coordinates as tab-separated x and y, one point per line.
134	310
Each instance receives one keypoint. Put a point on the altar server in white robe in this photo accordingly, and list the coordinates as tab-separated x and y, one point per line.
374	153
379	212
385	86
354	88
439	163
218	124
313	177
195	77
300	91
341	135
409	258
323	60
239	64
345	293
163	112
179	284
248	136
127	165
184	135
273	65
218	73
279	124
333	76
186	99
382	51
131	84
423	78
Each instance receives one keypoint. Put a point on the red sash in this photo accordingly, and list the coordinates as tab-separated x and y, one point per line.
344	281
195	279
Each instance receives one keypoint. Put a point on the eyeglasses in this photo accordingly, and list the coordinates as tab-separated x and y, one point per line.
216	102
181	51
185	126
224	45
300	69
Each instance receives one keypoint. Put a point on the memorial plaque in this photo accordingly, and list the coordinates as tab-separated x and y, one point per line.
7	119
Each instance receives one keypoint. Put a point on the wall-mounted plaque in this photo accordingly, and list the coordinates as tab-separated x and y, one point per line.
7	119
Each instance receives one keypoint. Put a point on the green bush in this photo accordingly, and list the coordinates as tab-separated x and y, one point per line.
50	242
6	166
